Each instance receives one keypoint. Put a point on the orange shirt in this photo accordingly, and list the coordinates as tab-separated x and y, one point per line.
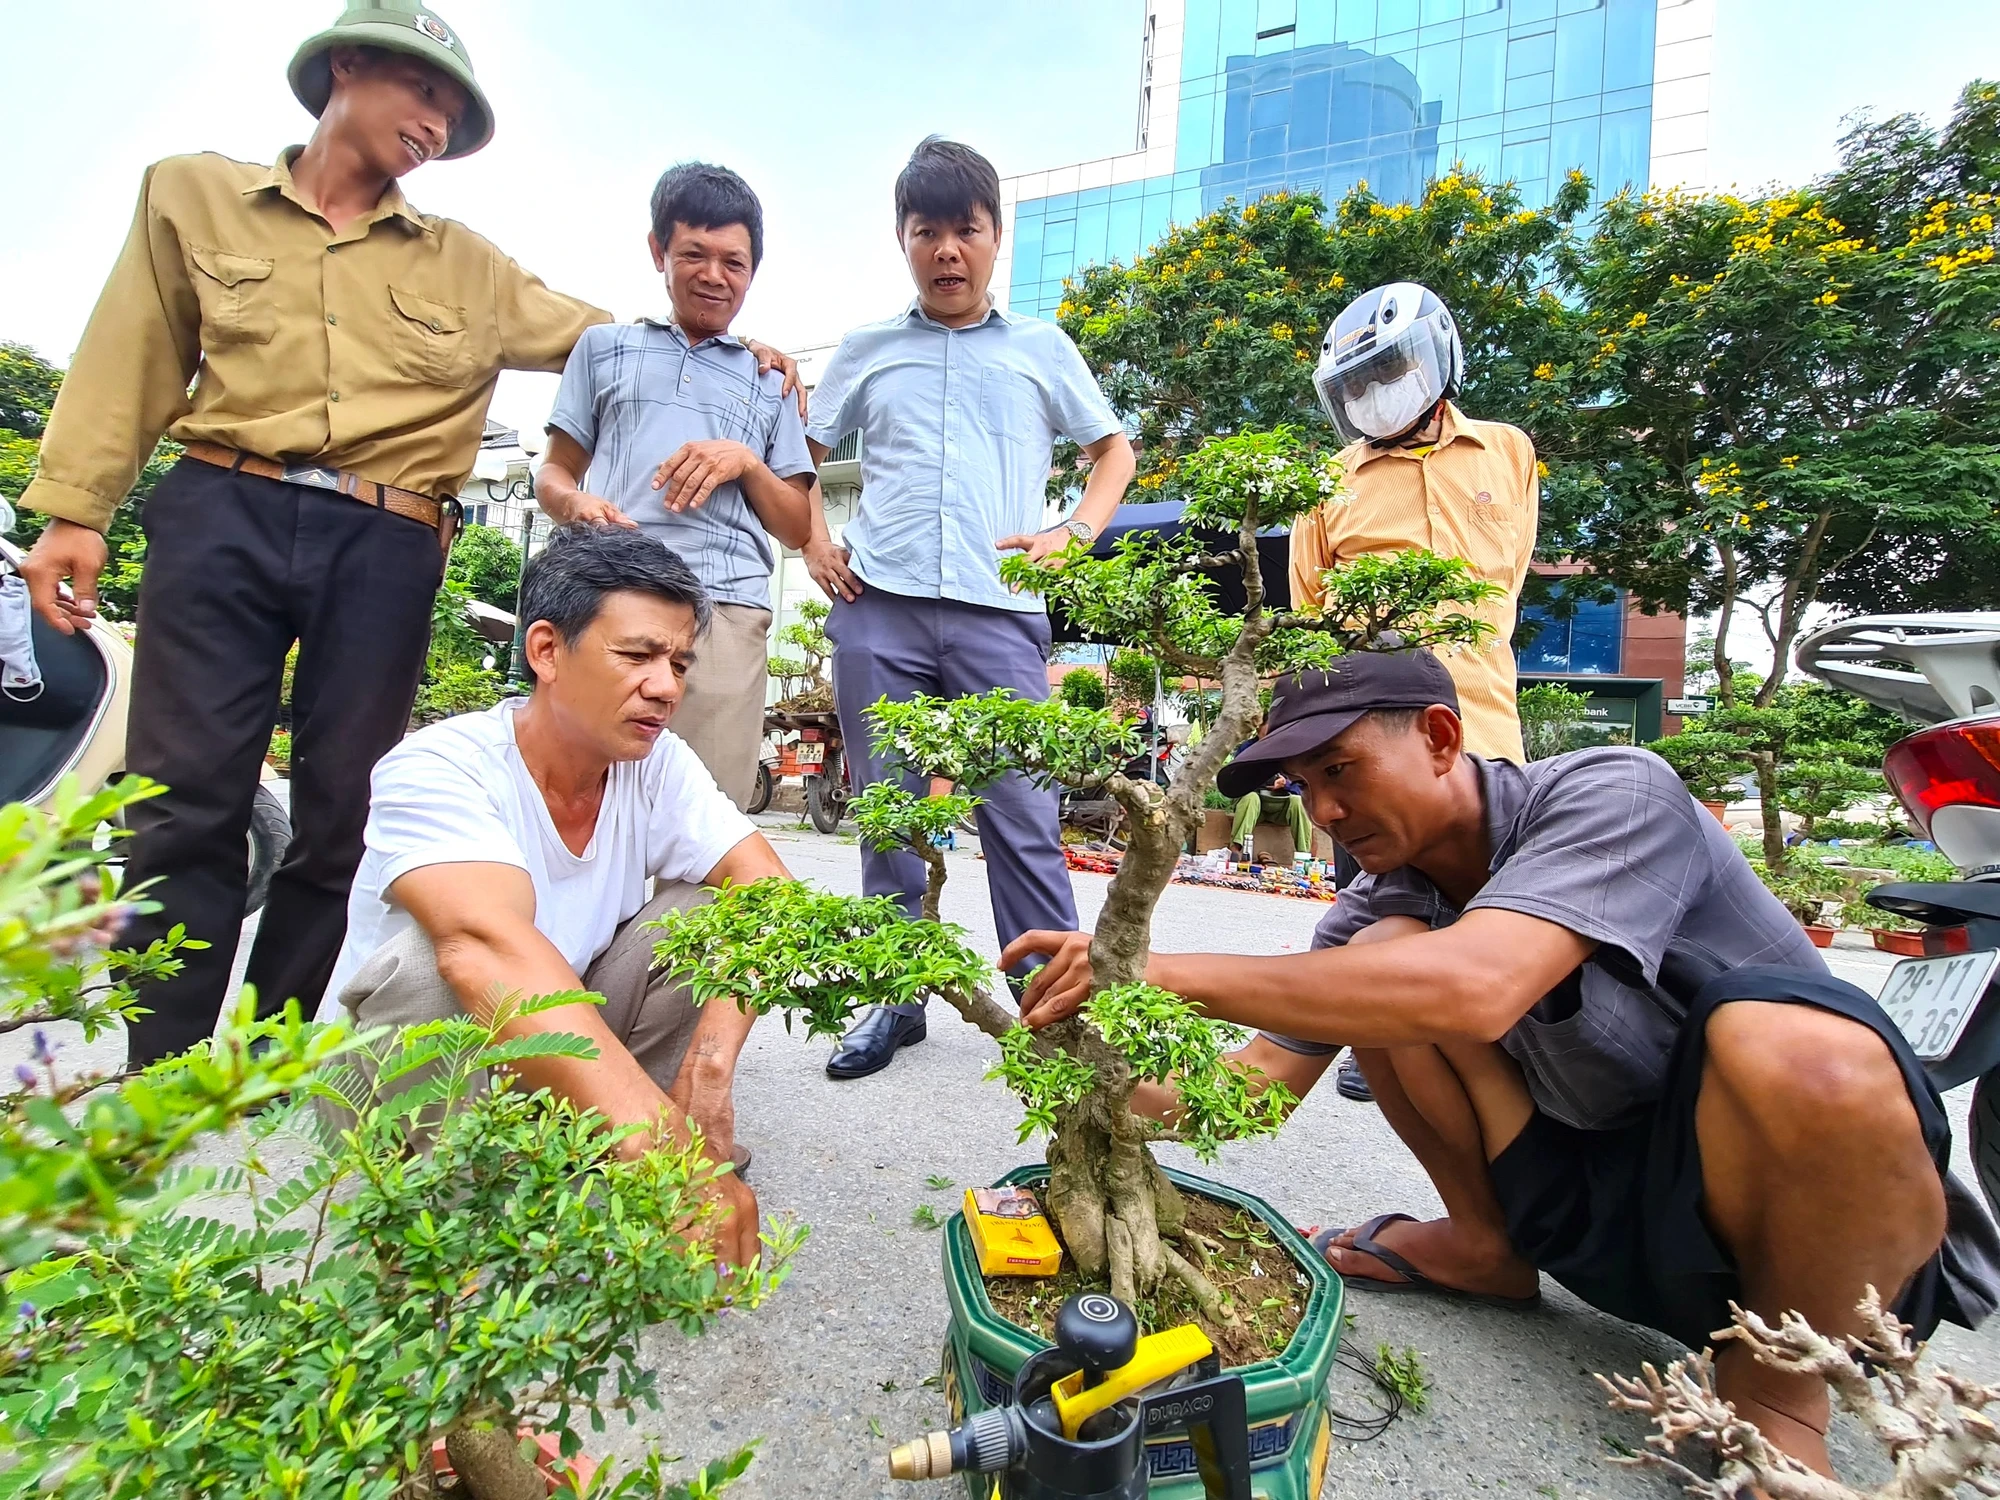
1475	496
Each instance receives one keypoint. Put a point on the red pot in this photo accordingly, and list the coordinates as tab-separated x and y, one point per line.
1822	937
1908	944
548	1458
1719	809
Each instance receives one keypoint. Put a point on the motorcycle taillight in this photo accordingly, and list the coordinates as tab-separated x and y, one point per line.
1947	765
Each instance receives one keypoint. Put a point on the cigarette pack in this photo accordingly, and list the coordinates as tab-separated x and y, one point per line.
1011	1233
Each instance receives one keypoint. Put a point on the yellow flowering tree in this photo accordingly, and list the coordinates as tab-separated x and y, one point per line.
1795	399
1216	329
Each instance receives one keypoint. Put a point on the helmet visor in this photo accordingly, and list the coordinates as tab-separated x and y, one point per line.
1383	393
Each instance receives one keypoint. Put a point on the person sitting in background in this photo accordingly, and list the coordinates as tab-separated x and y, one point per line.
679	432
508	853
1279	800
1612	1050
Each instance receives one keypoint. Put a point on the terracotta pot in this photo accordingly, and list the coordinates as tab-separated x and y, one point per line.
1908	944
1720	810
1822	937
548	1458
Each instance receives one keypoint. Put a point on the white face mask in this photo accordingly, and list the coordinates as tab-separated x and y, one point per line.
1382	411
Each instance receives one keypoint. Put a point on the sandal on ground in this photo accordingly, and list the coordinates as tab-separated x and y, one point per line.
1413	1279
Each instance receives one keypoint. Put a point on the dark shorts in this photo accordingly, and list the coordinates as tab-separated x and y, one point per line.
1615	1215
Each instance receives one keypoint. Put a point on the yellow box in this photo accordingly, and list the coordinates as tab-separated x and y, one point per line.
1011	1233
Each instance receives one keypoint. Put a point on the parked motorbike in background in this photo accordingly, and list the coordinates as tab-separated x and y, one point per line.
1941	671
71	722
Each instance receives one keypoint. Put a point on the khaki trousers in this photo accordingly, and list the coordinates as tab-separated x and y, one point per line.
721	716
400	985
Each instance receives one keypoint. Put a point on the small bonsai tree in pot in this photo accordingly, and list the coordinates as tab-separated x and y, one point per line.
1117	1213
777	946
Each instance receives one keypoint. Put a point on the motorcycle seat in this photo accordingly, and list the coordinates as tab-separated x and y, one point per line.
1943	904
40	736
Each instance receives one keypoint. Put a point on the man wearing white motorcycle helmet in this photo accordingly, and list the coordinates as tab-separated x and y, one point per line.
1423	475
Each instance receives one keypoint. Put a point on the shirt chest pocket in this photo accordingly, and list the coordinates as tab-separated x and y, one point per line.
1010	406
435	343
237	304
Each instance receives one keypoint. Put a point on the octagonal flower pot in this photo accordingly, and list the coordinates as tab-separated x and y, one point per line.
1286	1396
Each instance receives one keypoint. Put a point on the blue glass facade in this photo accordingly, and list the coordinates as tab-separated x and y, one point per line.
1590	640
1319	95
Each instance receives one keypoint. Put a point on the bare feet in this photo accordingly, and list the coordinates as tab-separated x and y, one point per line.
1445	1253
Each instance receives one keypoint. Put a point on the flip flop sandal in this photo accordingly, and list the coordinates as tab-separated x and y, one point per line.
1413	1279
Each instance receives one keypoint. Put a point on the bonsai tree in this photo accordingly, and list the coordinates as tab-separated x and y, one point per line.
803	677
1707	762
1820	787
1550	714
457	1262
777	946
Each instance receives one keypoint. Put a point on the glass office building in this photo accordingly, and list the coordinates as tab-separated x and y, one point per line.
1240	98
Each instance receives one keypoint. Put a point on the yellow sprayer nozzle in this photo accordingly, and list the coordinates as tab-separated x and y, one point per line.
1159	1356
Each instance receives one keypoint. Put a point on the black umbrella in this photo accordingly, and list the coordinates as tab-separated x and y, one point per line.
1274	551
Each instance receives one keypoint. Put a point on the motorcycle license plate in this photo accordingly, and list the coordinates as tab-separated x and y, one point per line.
1932	999
812	754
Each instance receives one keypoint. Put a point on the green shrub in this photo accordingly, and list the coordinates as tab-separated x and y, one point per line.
280	753
1083	688
79	1157
459	688
376	1297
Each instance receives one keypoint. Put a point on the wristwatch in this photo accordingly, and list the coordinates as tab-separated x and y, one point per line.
1081	530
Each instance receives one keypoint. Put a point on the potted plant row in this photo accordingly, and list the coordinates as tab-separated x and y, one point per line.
1177	1246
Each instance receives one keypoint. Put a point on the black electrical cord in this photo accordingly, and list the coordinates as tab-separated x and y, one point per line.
1363	1429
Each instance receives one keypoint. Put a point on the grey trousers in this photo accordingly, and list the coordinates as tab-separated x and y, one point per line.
890	645
721	717
399	985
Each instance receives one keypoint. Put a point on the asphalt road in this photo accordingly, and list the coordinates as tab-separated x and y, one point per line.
831	1372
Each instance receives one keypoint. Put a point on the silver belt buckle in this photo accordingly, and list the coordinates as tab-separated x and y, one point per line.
312	474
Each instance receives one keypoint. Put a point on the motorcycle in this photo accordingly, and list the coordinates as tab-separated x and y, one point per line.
1941	671
72	726
807	745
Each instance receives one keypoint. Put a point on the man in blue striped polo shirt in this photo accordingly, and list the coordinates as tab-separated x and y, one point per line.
681	435
958	405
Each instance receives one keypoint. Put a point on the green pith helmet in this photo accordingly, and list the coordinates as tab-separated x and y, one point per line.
396	26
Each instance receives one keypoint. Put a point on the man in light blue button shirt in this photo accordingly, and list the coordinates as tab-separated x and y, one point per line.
676	428
959	405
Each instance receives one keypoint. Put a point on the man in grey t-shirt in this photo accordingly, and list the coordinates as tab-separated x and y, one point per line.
1617	1057
682	435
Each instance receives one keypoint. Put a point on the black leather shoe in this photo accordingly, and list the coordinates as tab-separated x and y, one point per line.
872	1042
1351	1083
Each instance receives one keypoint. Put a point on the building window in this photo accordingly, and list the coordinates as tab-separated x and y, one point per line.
1589	639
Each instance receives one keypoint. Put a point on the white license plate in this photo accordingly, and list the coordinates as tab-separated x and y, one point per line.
812	755
1932	999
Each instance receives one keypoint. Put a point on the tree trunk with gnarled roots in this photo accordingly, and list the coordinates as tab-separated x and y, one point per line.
1116	1208
1932	1424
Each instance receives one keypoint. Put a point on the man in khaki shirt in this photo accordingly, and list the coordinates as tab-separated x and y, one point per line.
342	348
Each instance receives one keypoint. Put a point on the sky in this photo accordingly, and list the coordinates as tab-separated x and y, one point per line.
815	102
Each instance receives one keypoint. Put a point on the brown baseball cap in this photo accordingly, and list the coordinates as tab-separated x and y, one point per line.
1310	708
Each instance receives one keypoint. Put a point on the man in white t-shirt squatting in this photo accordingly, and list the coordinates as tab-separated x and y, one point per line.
508	852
